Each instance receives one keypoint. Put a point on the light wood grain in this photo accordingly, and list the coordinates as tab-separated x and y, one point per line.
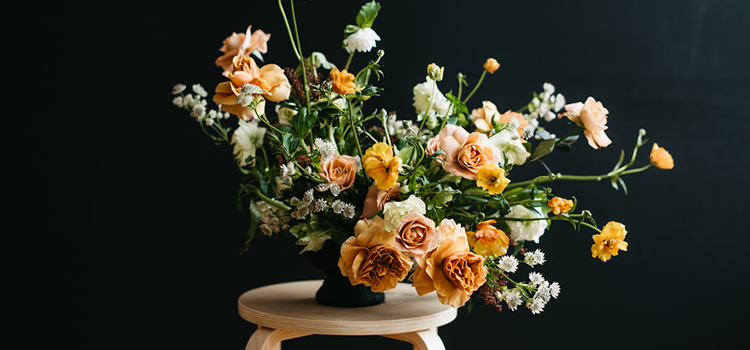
292	307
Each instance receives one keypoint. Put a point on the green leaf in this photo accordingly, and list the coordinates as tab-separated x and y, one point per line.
544	148
255	219
367	14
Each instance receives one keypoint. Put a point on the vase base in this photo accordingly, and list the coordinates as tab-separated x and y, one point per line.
340	293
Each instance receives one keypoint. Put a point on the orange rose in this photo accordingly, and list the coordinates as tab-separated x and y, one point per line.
370	258
451	270
488	240
491	65
466	153
376	200
340	170
661	158
242	44
416	235
483	117
343	82
593	117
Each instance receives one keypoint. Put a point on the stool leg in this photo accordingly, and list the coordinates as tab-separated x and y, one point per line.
270	339
427	339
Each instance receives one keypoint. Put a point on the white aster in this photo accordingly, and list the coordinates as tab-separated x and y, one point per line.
535	305
327	149
554	289
508	263
530	230
536	278
513	298
363	40
246	139
543	292
534	258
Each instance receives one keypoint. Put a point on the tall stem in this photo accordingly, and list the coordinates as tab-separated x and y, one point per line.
349	61
289	31
476	87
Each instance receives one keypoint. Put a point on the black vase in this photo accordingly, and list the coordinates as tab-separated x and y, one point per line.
336	289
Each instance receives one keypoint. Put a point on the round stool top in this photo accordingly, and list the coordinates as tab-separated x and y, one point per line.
292	307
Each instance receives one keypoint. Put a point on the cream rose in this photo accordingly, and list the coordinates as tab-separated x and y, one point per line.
370	258
394	211
340	170
416	235
451	270
466	153
593	117
376	200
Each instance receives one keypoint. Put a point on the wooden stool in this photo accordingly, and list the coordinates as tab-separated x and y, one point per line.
289	310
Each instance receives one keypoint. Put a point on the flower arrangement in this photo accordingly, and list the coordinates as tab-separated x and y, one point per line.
430	199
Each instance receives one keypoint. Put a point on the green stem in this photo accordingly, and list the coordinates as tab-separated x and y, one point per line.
289	30
272	202
301	58
476	86
349	61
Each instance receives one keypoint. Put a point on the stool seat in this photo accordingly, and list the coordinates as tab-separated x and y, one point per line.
289	310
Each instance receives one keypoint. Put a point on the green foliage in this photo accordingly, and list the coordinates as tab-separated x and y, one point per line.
367	14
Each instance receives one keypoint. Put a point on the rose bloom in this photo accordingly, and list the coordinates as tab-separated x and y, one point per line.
491	65
242	44
466	153
451	270
530	230
483	117
610	241
511	146
270	78
661	158
559	205
394	211
492	179
416	235
381	165
376	200
488	240
343	82
593	117
340	170
370	258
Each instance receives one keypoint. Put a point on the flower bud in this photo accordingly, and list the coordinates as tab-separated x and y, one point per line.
381	53
491	65
435	72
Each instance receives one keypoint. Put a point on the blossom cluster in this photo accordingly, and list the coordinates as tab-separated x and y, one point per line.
432	198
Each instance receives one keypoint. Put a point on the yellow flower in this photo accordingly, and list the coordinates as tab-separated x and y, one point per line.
381	165
488	240
491	65
343	82
610	241
661	158
492	178
559	205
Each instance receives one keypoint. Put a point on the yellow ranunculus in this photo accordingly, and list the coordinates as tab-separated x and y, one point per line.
610	241
661	158
381	165
492	178
342	82
559	205
488	240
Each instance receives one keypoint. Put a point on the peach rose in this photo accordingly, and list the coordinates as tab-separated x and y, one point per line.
340	170
270	78
451	270
593	117
416	235
376	199
242	44
483	117
370	258
466	153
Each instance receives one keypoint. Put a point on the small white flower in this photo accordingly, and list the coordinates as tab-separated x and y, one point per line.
536	278
508	263
335	189
525	230
246	139
327	149
178	89
198	111
337	206
322	187
534	258
287	170
513	298
308	197
559	102
320	205
549	89
425	93
543	292
250	89
245	100
209	121
198	89
535	305
550	116
348	210
508	142
177	101
528	131
554	289
363	40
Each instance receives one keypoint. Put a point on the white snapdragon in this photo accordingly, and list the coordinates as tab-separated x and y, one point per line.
394	211
530	230
428	98
534	258
246	139
363	40
508	142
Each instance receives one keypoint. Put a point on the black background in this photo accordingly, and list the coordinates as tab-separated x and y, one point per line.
120	227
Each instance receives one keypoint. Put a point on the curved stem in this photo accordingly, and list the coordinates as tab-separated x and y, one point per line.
289	30
476	86
349	61
272	202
